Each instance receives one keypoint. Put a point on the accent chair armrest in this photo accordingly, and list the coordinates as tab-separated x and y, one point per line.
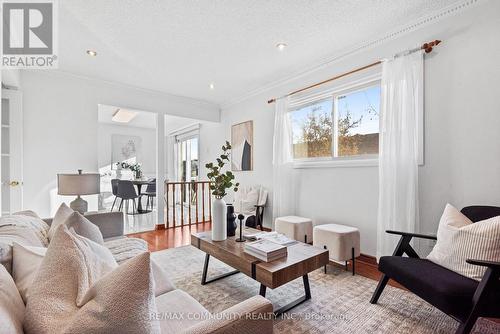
409	234
483	263
404	243
254	315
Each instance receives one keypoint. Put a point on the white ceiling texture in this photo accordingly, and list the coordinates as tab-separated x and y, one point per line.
182	46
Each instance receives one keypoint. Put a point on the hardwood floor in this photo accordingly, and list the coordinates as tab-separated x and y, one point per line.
172	237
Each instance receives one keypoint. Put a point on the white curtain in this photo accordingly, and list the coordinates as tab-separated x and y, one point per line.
283	185
401	105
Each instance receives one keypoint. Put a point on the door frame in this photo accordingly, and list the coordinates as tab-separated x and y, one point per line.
15	149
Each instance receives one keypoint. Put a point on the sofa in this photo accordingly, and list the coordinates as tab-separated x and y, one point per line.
250	316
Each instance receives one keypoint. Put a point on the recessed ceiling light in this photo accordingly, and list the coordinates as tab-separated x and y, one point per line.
281	46
123	116
92	53
211	86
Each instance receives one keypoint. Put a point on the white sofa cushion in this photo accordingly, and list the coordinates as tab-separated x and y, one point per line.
25	263
11	305
84	227
161	280
459	239
177	302
62	213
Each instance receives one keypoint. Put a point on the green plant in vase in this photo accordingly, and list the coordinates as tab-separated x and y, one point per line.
220	182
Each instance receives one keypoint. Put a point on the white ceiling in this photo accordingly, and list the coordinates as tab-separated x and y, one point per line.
181	46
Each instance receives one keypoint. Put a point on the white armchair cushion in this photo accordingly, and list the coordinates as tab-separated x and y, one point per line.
249	202
247	198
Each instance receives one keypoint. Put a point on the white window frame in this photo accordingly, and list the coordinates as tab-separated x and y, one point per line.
364	160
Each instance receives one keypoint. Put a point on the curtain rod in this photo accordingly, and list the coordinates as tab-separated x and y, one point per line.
426	46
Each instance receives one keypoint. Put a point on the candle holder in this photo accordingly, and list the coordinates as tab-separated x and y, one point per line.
240	239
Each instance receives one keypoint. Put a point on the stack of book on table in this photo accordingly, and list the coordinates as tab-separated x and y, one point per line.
265	250
275	237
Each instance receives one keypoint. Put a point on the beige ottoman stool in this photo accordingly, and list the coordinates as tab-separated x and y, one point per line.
341	241
297	228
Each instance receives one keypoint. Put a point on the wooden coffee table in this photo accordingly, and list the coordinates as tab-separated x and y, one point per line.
301	260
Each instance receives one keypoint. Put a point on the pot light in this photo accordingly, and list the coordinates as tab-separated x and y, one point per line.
123	116
211	86
281	46
92	53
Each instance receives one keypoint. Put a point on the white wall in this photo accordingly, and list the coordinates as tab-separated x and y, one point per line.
60	125
462	129
148	144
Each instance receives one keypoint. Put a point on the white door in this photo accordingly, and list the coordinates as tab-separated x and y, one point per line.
11	143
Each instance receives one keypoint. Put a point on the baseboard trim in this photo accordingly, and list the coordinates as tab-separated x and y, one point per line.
160	227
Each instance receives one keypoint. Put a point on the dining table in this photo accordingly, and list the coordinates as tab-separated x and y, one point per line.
139	183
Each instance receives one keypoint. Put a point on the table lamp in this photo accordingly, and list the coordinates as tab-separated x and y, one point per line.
78	185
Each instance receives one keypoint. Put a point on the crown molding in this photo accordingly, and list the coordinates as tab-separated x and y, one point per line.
178	98
453	9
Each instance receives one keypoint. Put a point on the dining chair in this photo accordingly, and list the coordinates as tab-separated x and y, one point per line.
150	193
114	190
127	192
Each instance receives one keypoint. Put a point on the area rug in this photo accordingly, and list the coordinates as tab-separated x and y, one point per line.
339	304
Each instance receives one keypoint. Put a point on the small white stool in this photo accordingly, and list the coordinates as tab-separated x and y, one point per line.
297	228
341	241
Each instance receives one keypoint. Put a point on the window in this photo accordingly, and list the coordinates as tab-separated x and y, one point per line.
338	126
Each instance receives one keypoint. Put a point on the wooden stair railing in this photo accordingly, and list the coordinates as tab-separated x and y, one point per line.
191	197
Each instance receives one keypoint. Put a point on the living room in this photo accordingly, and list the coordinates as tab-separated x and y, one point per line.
315	126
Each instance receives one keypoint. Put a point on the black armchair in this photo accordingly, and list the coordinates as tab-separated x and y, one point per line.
460	297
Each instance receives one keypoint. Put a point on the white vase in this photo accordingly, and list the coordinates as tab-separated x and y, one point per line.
219	213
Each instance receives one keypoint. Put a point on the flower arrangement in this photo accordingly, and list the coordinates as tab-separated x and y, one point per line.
134	167
220	181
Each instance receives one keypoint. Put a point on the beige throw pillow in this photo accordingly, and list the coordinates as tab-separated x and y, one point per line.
84	227
11	305
121	302
10	234
27	259
25	263
59	218
76	291
459	239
